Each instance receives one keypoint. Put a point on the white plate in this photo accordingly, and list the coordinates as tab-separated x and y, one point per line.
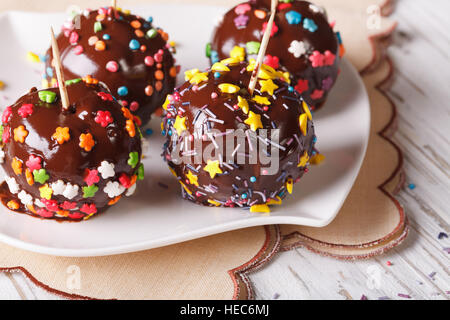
156	216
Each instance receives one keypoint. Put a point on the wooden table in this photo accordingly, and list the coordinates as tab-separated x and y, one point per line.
419	268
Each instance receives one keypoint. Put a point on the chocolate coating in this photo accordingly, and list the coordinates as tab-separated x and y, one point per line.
207	110
58	173
292	45
129	53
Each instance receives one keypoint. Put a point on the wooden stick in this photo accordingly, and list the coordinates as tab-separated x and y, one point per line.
114	4
263	47
59	74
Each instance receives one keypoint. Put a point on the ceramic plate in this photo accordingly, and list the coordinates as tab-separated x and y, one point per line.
157	216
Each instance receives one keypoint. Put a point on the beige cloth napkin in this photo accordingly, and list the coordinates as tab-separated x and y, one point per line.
215	267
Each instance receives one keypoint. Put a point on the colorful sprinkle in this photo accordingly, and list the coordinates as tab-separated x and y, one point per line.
112	66
293	17
47	96
20	133
86	141
89	191
61	135
212	167
133	159
103	118
26	110
40	176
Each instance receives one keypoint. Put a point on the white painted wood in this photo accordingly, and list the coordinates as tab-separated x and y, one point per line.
421	55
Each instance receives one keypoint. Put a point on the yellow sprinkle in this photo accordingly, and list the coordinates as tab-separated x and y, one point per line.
303	160
33	57
303	122
306	109
251	65
199	77
254	121
180	124
228	88
267	86
218	66
189	74
172	43
217	204
54	82
317	159
126	11
229	61
243	104
289	185
286	75
173	172
260	208
261	100
186	188
46	192
238	52
277	201
2	85
166	103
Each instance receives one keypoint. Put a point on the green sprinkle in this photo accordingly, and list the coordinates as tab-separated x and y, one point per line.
208	50
253	47
1	132
40	176
89	192
133	159
47	96
140	172
152	33
73	81
98	26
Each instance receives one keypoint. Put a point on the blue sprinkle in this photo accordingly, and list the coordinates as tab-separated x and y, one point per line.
214	56
310	25
49	72
281	194
293	17
134	44
244	196
43	57
216	75
252	179
148	132
314	139
150	19
291	89
163	132
314	153
169	132
338	35
106	37
122	91
146	25
411	186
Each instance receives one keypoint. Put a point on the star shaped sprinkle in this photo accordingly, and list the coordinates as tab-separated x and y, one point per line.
140	172
103	118
241	21
180	124
219	66
88	208
26	110
47	96
306	109
254	121
113	189
58	187
297	48
133	159
267	86
86	141
71	191
293	17
212	167
46	192
40	176
309	25
253	47
61	135
106	169
261	100
90	191
91	177
16	164
189	74
199	77
12	185
238	52
33	162
302	85
193	179
20	133
303	123
303	160
228	88
243	104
